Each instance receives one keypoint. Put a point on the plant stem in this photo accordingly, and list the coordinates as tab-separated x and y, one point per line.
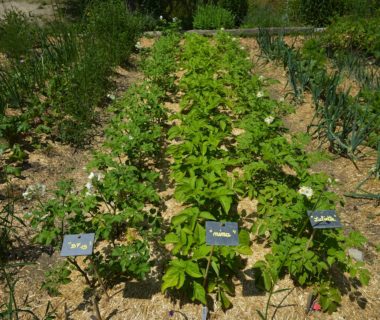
96	307
208	266
82	272
100	279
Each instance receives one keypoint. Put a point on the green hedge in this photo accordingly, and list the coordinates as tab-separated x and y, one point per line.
213	17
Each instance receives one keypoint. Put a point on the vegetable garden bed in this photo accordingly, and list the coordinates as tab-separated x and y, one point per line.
200	139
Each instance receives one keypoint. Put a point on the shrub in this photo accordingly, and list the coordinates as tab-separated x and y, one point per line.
213	17
266	15
238	8
316	12
114	27
349	33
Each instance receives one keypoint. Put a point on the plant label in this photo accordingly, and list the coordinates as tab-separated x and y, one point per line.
222	233
78	244
324	219
204	313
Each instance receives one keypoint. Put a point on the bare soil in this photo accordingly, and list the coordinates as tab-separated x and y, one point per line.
43	10
143	300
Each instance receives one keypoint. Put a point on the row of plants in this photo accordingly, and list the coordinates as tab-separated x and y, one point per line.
228	145
119	202
200	169
344	121
54	76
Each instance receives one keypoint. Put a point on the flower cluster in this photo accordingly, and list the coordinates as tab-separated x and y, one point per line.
260	94
138	45
306	191
269	120
93	176
35	191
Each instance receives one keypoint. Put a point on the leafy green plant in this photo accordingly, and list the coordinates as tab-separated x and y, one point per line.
353	33
119	202
213	17
206	156
158	66
58	275
200	171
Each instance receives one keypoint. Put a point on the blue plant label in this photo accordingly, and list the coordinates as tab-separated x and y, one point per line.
204	313
78	244
222	233
324	219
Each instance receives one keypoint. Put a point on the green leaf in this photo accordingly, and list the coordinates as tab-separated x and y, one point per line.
364	276
330	260
206	215
267	280
170	279
171	238
226	303
201	252
226	203
176	220
244	238
199	293
215	266
245	250
192	270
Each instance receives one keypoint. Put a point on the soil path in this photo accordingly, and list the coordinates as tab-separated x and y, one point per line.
41	9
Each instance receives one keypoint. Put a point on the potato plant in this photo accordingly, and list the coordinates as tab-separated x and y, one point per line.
213	168
119	202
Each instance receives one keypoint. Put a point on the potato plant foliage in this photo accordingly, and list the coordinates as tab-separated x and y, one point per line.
120	202
214	167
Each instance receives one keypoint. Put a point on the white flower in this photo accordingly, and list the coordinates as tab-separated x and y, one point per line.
242	48
130	137
34	191
95	175
260	94
281	99
111	96
161	18
175	19
138	45
329	181
90	188
261	78
306	191
233	39
222	29
269	120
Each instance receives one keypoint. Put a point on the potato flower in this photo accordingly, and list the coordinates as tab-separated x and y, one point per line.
306	191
